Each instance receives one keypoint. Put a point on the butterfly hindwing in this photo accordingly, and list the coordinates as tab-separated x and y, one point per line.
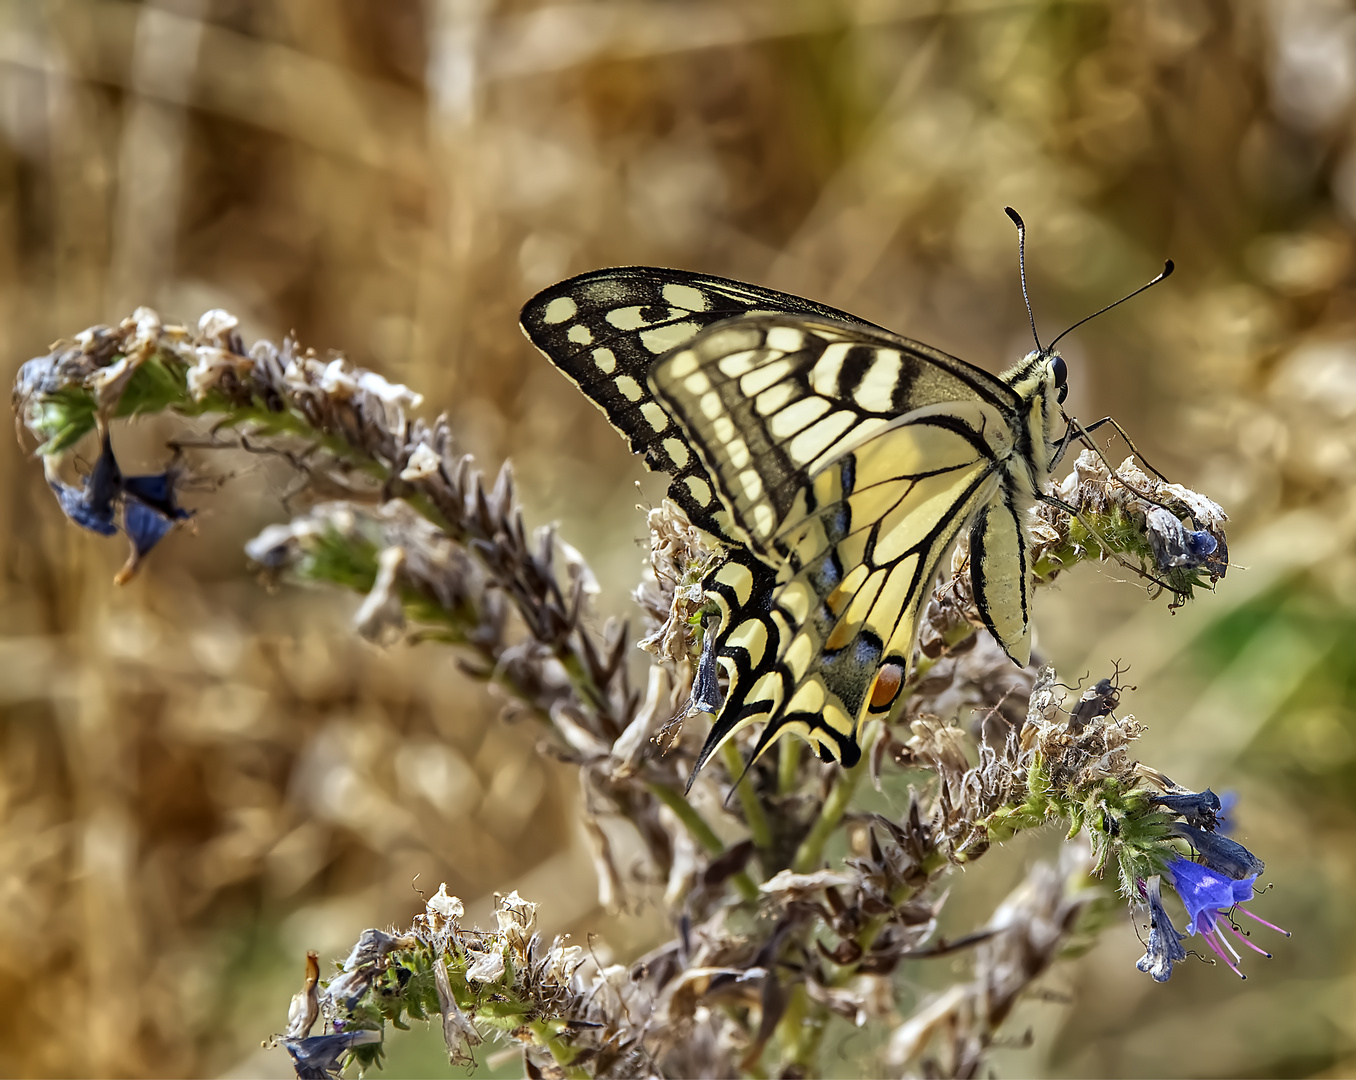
998	571
828	641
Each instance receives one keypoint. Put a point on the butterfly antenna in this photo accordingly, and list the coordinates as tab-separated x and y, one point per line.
1167	271
1021	268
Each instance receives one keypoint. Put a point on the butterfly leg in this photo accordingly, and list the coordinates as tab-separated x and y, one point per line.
1075	429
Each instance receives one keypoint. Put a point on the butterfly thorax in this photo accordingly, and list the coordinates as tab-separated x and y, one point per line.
1038	380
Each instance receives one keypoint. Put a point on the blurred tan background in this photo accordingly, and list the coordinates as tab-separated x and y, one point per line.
199	780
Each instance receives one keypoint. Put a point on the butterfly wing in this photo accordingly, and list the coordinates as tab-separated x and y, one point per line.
848	461
605	330
998	573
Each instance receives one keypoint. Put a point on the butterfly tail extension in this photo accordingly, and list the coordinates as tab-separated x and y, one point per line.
828	743
1000	578
745	637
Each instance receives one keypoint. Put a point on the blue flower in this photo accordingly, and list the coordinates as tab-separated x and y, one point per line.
1212	886
149	506
1165	943
317	1058
1207	894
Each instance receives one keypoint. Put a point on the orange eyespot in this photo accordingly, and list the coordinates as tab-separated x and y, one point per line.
886	687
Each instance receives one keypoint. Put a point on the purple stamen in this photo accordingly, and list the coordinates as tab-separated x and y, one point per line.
1247	940
1214	929
1210	940
1258	918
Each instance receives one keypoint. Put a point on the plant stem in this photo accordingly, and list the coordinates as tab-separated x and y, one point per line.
788	766
811	849
801	1029
701	832
759	828
561	1052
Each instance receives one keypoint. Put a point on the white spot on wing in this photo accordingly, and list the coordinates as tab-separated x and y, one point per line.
877	388
678	451
752	484
630	389
813	441
739	453
580	334
606	360
737	364
724	429
558	310
785	339
656	417
697	383
626	318
755	382
763	519
797	415
685	363
685	296
699	489
663	338
824	377
770	401
710	405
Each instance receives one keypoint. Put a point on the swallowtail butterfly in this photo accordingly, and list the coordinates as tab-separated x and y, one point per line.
835	461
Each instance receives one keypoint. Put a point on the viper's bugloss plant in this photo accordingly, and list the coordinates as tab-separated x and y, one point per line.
793	907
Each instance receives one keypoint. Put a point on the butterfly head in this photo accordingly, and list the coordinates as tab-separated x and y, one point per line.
1059	375
1041	374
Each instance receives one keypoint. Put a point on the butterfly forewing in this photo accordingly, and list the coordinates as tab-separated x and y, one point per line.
769	401
606	329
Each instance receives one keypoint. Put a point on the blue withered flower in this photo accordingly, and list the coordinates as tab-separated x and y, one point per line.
317	1057
1174	545
1200	808
149	505
1219	853
1165	943
91	504
149	511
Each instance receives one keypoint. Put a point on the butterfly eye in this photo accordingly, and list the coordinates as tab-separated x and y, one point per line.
1060	370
